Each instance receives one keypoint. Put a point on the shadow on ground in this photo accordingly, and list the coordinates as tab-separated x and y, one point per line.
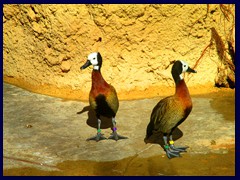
92	119
157	138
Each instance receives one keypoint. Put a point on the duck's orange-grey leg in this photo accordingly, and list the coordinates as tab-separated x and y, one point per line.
115	135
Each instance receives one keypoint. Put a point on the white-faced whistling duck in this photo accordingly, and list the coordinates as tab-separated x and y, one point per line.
171	111
102	98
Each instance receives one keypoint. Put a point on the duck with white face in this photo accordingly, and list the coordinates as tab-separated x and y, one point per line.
102	97
171	111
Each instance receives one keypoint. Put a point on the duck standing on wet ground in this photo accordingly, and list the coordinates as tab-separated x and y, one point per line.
171	111
102	98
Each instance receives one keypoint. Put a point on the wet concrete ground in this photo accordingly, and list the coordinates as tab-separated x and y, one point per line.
47	136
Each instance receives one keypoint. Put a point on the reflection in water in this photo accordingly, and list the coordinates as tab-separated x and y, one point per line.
208	164
224	107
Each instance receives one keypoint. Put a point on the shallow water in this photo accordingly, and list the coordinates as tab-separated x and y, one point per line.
195	165
47	136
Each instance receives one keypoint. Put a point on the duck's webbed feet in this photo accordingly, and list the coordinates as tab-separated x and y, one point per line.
98	137
171	150
115	136
179	149
171	153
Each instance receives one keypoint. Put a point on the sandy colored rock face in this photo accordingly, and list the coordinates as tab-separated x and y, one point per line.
45	45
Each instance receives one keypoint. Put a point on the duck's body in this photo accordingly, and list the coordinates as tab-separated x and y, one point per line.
102	97
171	111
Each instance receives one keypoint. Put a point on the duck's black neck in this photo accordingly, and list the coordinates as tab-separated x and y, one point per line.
176	78
177	71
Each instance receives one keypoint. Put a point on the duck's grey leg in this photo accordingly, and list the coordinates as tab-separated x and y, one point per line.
180	149
170	153
99	135
115	135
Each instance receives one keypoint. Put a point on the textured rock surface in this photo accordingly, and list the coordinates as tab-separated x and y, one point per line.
44	46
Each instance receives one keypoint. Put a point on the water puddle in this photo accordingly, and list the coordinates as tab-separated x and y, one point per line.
194	165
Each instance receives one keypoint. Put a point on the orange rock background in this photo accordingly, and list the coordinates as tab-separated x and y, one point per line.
45	45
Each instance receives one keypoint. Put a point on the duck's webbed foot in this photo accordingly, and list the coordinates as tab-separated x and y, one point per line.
179	149
171	153
97	137
116	136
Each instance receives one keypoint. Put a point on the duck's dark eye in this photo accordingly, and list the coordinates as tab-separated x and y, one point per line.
94	58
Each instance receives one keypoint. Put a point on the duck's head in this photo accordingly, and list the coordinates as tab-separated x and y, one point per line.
94	59
180	67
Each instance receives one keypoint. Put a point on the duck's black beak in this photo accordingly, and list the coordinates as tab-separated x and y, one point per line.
87	63
191	70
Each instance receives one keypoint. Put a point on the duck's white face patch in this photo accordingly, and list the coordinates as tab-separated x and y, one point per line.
184	68
93	59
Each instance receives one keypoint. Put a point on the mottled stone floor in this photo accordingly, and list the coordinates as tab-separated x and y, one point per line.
47	136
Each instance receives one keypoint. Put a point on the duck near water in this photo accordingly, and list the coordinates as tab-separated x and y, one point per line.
102	98
171	111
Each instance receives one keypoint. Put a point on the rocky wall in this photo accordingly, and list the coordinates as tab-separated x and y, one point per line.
45	45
